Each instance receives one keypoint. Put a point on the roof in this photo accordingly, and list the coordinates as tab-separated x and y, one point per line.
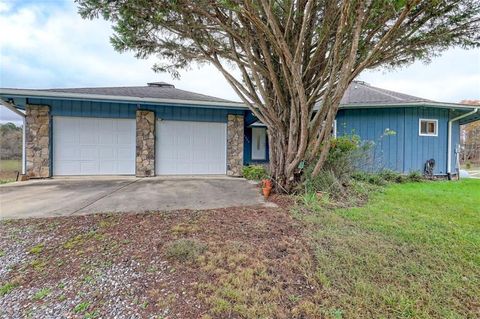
358	95
155	90
362	93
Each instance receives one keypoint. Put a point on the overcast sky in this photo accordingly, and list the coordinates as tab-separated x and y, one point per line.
45	44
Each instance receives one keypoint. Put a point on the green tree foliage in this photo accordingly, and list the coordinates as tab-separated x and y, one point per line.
10	141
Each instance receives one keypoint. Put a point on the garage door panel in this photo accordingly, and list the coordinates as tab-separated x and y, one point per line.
90	146
88	168
106	139
69	166
67	153
190	148
125	153
107	153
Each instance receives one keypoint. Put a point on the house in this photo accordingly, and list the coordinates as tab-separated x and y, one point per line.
161	130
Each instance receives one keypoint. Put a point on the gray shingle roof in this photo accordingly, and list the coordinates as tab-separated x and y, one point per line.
358	93
158	90
361	93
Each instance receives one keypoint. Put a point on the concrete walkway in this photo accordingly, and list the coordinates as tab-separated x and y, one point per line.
474	173
77	196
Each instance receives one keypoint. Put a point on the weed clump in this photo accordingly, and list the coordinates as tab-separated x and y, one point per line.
185	250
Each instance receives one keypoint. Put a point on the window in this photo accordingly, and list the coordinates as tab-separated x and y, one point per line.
428	127
259	143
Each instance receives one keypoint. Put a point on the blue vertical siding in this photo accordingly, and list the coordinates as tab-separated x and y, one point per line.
419	149
405	151
387	150
128	110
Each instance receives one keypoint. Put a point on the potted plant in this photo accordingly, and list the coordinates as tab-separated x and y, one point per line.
266	187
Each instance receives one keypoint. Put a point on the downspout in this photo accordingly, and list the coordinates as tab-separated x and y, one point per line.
449	143
14	109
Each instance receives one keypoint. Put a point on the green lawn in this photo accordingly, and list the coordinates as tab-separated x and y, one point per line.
8	169
412	252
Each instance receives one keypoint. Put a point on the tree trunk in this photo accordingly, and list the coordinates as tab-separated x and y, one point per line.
283	179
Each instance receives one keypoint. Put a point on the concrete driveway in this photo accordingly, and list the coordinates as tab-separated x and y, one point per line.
77	196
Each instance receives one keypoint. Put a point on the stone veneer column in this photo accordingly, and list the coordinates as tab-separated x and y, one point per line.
235	145
37	140
145	159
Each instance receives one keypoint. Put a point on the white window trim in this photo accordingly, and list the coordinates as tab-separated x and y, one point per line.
428	120
334	129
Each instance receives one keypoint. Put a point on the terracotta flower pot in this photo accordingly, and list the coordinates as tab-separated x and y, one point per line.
266	191
266	183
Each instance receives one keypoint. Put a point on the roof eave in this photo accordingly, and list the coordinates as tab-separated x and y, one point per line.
408	104
122	99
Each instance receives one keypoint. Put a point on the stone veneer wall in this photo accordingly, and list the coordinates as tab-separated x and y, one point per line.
37	140
235	145
145	157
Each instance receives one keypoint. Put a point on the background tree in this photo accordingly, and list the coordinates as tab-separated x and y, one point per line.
470	138
295	58
10	141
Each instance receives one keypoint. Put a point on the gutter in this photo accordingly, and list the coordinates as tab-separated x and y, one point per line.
373	105
14	109
125	99
449	144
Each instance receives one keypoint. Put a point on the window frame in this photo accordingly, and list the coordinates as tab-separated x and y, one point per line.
431	121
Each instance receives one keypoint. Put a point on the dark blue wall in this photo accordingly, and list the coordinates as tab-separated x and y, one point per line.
128	110
406	151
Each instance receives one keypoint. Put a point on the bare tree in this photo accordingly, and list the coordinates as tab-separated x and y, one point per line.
292	54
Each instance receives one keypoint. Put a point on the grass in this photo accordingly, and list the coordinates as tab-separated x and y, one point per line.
8	169
6	288
37	249
185	250
42	293
411	252
81	307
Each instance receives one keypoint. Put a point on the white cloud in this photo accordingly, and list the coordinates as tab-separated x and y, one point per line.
452	77
8	116
47	44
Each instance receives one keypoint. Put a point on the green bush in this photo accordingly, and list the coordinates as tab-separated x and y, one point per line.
415	177
335	177
468	165
185	250
254	172
393	177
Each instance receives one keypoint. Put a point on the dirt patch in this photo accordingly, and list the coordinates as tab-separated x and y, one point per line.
253	262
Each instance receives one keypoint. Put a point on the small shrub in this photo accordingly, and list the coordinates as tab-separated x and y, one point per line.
390	176
361	176
81	307
42	293
185	250
254	172
415	177
37	249
5	289
468	165
371	178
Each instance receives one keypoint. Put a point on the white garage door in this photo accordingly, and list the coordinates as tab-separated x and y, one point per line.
189	148
93	146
